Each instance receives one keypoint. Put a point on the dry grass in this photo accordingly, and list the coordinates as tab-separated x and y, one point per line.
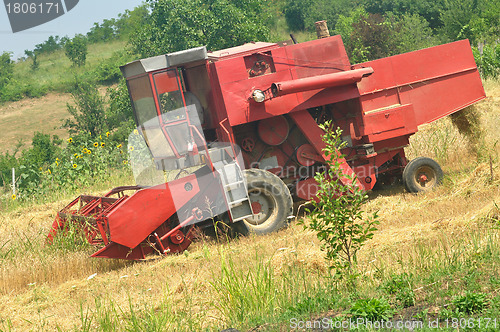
21	119
42	289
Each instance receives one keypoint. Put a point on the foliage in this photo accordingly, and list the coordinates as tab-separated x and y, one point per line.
296	13
428	9
52	44
85	159
301	15
488	60
345	27
472	19
7	162
88	114
338	218
76	50
411	32
42	151
470	302
176	25
6	69
102	32
108	71
400	286
371	309
34	57
119	115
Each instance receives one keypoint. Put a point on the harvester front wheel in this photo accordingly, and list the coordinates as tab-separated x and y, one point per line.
271	203
422	174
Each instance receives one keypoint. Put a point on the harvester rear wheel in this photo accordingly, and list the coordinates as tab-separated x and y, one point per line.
271	201
422	174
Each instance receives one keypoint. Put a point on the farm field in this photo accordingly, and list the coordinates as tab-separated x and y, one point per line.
443	244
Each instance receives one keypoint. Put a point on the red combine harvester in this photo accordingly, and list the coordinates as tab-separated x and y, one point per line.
233	136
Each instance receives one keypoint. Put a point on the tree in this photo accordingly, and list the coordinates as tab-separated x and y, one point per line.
88	114
428	9
34	57
338	218
412	32
6	69
296	13
177	25
76	50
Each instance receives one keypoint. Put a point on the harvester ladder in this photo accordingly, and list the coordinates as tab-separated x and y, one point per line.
235	189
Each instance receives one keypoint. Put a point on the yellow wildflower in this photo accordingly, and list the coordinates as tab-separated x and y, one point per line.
136	131
70	140
107	134
75	165
96	144
131	148
102	144
119	146
14	196
125	162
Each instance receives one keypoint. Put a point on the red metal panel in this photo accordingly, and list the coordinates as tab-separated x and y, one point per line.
389	123
313	133
437	81
134	219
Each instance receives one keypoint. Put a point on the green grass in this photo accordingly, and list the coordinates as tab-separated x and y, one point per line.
56	71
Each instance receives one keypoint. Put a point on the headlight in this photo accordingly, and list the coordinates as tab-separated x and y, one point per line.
258	96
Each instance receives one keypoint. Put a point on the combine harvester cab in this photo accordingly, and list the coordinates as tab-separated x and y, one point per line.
194	109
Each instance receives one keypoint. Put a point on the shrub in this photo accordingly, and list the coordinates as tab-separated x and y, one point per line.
88	113
76	50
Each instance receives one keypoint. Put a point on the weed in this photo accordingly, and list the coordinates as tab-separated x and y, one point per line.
371	309
470	303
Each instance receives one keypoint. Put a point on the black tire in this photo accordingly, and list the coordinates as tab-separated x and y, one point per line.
269	194
422	174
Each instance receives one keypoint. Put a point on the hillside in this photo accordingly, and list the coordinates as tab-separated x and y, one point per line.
47	113
23	118
443	245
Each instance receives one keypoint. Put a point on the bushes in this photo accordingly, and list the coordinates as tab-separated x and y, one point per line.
488	60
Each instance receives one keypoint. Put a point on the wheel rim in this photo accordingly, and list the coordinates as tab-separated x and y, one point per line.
425	177
264	206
